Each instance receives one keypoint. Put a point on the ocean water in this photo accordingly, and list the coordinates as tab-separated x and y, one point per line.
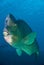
32	11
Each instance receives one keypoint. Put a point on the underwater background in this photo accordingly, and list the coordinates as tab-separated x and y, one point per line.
32	12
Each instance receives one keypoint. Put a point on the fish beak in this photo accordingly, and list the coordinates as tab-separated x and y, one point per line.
5	33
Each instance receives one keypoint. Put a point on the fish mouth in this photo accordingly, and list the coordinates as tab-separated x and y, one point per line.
7	36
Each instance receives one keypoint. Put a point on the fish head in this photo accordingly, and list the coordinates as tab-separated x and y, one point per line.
9	28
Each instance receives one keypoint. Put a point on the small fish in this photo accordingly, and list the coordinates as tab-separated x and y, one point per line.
19	35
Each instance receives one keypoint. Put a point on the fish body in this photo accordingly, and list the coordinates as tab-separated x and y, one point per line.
20	36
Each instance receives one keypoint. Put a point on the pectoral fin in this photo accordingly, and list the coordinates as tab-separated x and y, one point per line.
19	52
29	39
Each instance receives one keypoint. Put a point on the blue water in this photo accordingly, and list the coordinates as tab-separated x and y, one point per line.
32	11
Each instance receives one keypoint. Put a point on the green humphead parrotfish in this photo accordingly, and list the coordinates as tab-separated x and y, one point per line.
20	36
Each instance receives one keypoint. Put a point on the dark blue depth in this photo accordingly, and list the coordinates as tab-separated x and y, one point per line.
31	11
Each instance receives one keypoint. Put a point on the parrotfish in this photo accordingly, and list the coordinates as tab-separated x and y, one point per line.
20	36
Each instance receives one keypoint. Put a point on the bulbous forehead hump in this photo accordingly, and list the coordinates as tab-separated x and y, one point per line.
10	18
